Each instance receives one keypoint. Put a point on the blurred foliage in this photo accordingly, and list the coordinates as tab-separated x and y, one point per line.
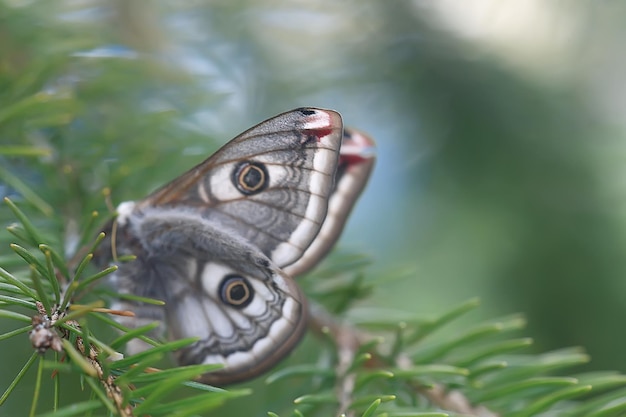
497	177
518	195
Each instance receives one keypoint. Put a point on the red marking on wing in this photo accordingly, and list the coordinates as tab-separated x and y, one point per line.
319	133
356	148
352	159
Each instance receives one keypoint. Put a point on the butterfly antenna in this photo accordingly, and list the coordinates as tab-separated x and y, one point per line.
106	192
113	240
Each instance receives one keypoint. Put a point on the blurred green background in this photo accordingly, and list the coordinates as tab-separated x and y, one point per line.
500	128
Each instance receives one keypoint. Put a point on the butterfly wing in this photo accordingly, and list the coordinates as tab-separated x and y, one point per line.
213	242
270	185
356	162
216	286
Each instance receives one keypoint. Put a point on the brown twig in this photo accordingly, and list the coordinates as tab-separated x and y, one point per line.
347	346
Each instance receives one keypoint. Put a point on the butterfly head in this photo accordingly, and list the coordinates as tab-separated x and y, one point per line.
124	211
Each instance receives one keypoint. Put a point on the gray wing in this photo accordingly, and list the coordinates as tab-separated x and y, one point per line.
356	162
270	185
217	287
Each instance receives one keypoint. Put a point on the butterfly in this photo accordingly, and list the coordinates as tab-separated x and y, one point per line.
222	243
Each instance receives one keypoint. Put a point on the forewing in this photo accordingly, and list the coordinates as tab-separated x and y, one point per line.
270	185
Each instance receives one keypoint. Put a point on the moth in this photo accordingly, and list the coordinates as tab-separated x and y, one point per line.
222	243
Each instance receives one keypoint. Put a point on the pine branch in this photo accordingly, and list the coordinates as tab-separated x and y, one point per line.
468	374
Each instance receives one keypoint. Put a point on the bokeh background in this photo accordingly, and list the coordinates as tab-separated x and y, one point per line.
500	128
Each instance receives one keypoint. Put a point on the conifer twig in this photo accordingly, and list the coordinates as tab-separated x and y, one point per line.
453	400
347	345
43	337
348	339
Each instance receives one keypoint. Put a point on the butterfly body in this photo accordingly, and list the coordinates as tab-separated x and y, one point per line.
215	243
